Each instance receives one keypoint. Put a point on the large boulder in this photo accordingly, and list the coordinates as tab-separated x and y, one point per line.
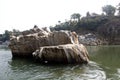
30	40
69	53
47	46
62	37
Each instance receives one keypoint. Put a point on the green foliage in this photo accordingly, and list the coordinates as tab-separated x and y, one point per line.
118	9
88	14
109	10
111	30
87	23
76	16
90	22
6	35
15	32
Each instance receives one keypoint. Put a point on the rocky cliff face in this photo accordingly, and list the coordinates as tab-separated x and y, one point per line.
46	43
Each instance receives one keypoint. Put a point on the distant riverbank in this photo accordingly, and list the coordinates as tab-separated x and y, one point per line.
4	44
91	39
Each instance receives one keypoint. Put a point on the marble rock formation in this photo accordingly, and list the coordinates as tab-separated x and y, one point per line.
69	53
49	45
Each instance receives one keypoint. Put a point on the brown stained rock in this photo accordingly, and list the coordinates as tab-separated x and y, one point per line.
69	53
28	43
57	46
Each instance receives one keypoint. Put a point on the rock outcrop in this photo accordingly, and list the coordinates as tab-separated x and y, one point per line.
89	39
69	53
50	45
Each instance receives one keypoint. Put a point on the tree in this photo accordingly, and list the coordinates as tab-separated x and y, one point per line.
17	32
118	8
94	14
109	10
76	16
6	36
88	14
59	22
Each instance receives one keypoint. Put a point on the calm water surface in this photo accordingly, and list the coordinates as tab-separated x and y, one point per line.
104	65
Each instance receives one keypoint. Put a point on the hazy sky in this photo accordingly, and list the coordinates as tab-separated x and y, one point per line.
24	14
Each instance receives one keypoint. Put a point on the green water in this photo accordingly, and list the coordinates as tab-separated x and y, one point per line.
104	65
108	58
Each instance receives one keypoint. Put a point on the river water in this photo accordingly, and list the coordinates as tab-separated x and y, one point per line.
104	65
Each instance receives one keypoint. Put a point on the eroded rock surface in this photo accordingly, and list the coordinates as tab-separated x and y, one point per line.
57	46
69	53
